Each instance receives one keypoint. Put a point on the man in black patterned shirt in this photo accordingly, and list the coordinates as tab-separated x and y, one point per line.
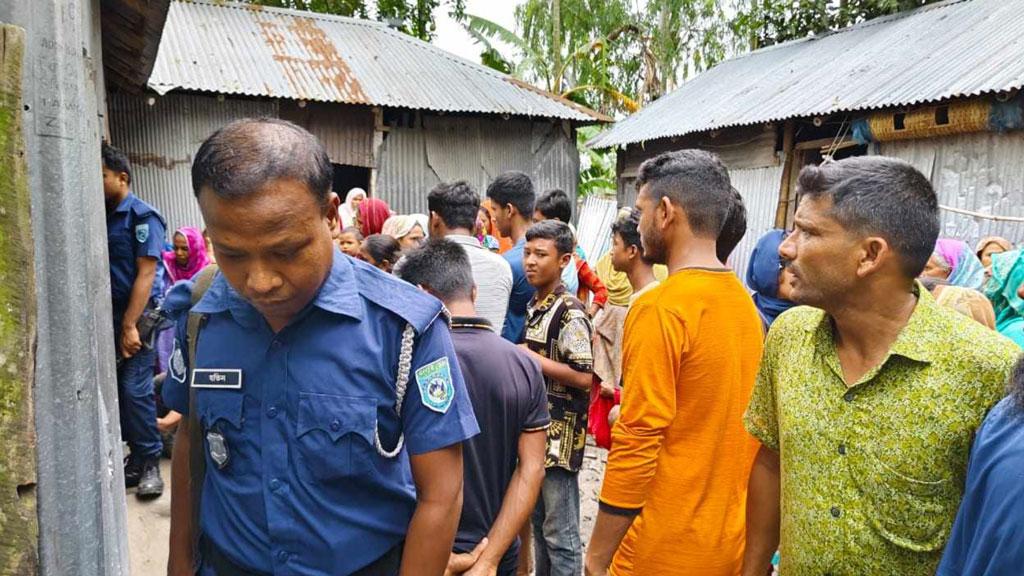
558	335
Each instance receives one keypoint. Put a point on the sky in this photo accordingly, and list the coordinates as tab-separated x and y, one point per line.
452	37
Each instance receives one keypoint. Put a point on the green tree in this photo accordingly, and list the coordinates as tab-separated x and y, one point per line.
760	23
416	17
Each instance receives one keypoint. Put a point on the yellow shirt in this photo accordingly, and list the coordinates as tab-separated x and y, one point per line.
679	450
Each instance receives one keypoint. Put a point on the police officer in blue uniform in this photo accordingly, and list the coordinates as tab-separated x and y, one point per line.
135	239
327	394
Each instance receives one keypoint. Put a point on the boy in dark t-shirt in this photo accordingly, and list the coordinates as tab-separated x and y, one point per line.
504	464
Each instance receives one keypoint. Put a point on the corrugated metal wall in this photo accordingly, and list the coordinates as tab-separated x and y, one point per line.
760	190
160	141
445	148
594	230
981	172
345	131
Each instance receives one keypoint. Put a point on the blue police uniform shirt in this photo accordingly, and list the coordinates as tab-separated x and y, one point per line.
134	230
515	318
304	491
987	534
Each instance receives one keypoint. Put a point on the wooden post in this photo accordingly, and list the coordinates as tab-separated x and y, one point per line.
18	524
785	189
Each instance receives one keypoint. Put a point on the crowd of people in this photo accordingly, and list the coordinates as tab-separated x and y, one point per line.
354	391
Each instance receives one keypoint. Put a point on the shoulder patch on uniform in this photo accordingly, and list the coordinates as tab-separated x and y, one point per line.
177	364
435	383
142	232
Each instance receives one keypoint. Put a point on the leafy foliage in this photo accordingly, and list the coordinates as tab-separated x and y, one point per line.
760	23
416	16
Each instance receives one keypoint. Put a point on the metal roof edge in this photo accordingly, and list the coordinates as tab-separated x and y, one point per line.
602	141
585	114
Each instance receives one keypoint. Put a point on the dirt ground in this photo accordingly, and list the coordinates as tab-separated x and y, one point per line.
149	521
149	526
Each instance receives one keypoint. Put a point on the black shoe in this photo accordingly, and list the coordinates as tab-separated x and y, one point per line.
151	485
132	472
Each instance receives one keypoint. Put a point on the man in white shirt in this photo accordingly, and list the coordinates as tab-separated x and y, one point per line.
453	212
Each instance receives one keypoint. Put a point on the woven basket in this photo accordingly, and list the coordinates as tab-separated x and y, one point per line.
958	117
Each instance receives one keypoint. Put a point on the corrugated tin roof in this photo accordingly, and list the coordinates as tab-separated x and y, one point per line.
244	49
950	49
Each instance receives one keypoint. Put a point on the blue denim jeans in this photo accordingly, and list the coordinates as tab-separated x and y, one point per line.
556	525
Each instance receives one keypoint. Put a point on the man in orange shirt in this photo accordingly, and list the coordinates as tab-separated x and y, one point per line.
674	494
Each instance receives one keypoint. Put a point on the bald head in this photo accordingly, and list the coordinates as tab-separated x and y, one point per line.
245	155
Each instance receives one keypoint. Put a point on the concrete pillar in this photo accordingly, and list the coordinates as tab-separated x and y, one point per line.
81	503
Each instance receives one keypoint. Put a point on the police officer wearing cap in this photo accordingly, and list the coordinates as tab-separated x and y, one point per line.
327	394
135	240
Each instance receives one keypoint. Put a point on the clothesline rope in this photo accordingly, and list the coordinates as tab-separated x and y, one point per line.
980	215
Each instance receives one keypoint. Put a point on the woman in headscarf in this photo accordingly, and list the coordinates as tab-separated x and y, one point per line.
406	229
770	280
989	246
966	301
483	229
347	211
370	216
954	262
1004	290
188	256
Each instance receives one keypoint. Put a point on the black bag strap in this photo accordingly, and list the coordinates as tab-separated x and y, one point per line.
197	463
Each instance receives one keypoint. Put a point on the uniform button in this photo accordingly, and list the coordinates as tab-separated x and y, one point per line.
842	449
276	344
282	556
835	512
275	484
336	425
272	412
848	396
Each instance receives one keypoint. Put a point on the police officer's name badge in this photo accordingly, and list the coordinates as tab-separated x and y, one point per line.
435	383
223	378
142	233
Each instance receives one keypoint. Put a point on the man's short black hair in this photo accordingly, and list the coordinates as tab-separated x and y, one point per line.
115	160
513	188
456	203
555	205
875	195
245	155
441	267
627	227
694	180
733	229
382	247
554	230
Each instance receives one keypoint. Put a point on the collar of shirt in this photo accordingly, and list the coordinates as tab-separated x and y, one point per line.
126	204
916	342
475	322
548	301
464	240
338	294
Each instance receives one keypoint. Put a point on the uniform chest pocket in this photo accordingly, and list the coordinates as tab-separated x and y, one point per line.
221	413
335	435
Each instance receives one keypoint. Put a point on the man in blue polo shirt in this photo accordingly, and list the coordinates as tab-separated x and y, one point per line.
329	398
513	198
135	239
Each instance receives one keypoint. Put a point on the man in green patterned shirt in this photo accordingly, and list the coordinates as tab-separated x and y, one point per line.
866	404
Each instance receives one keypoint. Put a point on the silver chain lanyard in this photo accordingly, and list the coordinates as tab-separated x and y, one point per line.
404	367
